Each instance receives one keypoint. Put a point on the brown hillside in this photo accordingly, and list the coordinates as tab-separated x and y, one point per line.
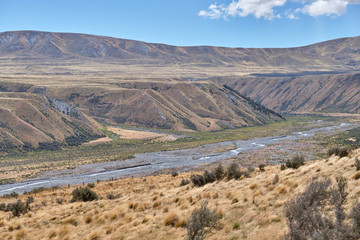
178	105
313	93
30	118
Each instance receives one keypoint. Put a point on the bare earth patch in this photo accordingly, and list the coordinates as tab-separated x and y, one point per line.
97	141
140	135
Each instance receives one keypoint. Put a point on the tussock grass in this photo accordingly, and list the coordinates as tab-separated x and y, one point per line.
162	211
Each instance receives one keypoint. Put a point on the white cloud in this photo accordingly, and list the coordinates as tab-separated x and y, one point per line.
266	8
214	12
243	8
291	15
326	7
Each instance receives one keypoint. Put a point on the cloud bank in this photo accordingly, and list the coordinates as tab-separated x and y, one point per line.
270	9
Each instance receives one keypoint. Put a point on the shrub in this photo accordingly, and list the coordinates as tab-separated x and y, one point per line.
296	162
36	190
355	218
91	185
262	167
19	207
197	180
184	182
357	164
276	179
83	194
219	172
233	172
341	152
282	167
2	206
201	222
111	196
209	177
236	225
250	169
50	146
14	195
308	219
174	173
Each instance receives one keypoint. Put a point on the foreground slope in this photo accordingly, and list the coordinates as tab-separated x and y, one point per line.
156	207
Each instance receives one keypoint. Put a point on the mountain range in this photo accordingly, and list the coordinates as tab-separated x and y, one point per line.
339	54
118	81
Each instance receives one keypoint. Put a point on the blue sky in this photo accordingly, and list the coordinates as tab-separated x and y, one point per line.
237	23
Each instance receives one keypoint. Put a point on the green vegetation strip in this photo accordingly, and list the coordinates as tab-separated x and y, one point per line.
121	149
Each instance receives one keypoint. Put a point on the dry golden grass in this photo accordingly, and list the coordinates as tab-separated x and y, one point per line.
98	141
137	135
159	208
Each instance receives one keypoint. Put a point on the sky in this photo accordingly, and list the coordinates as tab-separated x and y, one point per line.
228	23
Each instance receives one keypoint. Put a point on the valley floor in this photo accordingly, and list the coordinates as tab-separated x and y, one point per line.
19	167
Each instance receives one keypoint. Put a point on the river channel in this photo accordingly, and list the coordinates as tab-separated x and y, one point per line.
147	163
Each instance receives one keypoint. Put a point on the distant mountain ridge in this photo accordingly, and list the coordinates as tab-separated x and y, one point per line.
344	52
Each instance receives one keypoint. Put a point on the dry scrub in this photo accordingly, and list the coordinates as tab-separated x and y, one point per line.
157	207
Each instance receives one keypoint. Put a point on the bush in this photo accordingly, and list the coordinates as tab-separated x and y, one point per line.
250	169
262	167
276	179
233	172
355	218
308	217
111	196
90	185
17	208
184	182
201	222
357	164
174	173
83	194
341	152
296	162
50	146
219	172
11	195
59	200
236	225
209	177
197	180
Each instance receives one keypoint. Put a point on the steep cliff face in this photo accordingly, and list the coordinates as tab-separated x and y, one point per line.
311	93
